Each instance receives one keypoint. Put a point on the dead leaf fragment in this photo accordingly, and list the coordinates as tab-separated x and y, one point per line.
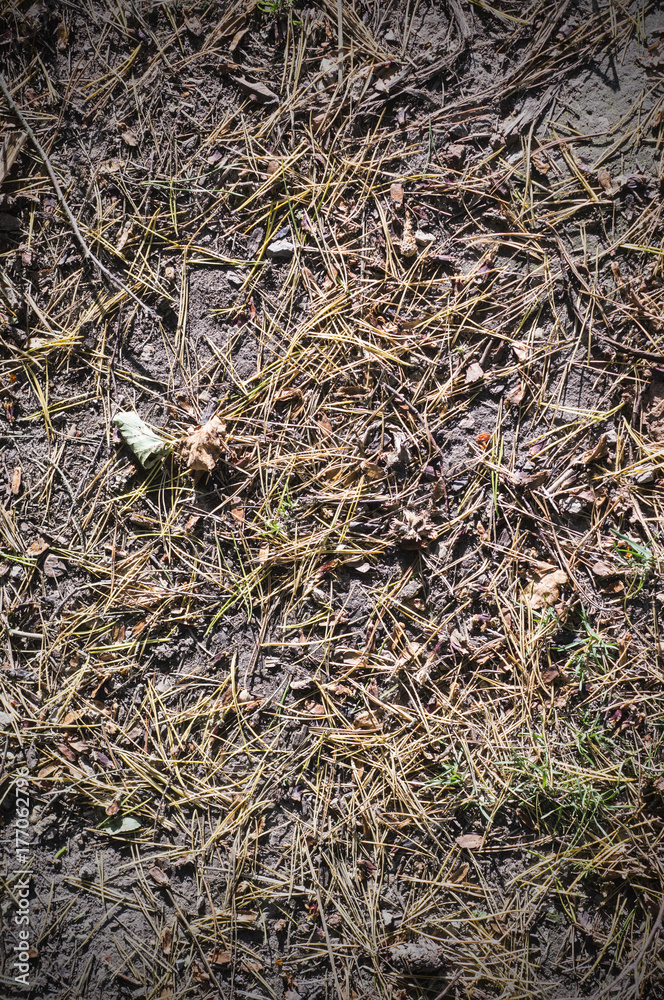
192	24
595	453
16	480
604	179
474	373
521	350
160	877
129	138
62	35
471	841
255	91
544	590
221	957
604	570
202	448
516	396
54	568
237	38
396	194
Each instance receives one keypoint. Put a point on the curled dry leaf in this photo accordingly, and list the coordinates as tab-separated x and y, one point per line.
237	38
545	589
255	91
158	876
201	449
595	453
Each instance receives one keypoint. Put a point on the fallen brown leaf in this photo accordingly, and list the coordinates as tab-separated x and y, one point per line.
255	91
201	449
595	453
237	38
516	396
545	589
160	877
474	373
471	841
521	350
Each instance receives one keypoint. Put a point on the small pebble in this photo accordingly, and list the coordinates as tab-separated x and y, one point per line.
280	249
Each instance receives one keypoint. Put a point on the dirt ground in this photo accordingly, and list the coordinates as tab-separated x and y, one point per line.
340	676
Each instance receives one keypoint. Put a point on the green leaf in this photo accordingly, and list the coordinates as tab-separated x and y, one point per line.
121	824
148	447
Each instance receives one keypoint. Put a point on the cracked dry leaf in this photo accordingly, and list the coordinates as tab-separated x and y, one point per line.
202	448
544	590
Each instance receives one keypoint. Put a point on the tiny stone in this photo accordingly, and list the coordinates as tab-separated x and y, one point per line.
281	249
424	239
467	424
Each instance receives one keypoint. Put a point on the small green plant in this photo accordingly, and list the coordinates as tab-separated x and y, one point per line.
589	649
451	776
637	557
275	7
